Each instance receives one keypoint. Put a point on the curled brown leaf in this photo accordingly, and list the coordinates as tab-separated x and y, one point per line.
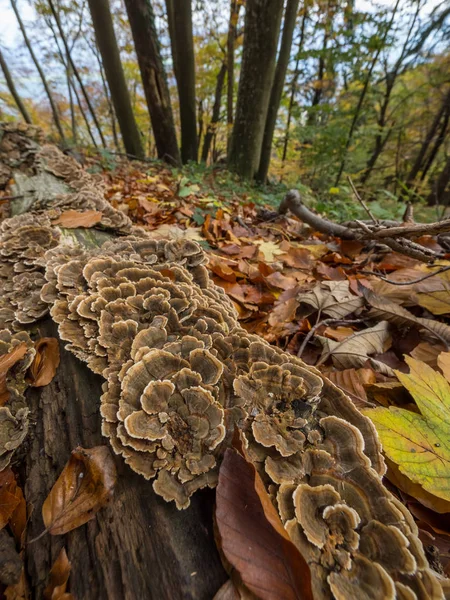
45	363
84	486
59	575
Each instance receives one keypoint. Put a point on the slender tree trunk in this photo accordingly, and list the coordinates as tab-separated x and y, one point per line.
142	22
418	163
262	27
107	44
200	121
76	73
290	18
294	82
179	14
235	7
363	95
440	138
440	185
318	86
73	120
212	125
13	91
53	106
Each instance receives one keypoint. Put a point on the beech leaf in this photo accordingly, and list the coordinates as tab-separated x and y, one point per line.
332	298
84	486
45	363
59	575
419	443
7	361
71	219
252	536
9	500
354	351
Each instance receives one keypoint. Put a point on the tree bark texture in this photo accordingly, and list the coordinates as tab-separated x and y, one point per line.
107	44
262	26
179	13
277	87
138	547
231	39
142	22
13	90
53	106
441	186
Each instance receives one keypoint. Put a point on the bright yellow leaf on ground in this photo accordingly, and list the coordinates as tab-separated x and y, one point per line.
419	443
437	302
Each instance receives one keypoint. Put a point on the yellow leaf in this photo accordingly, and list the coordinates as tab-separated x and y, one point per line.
419	443
270	250
437	302
334	190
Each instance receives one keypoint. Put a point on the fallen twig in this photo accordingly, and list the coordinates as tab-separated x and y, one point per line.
325	322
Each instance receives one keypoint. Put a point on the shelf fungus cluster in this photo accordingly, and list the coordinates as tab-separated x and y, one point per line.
16	355
181	374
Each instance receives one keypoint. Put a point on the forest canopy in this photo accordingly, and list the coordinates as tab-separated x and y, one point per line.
342	89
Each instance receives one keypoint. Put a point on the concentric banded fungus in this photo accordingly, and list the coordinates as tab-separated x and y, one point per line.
180	374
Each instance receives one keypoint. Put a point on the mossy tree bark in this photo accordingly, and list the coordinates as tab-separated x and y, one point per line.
142	22
262	27
290	18
107	44
179	14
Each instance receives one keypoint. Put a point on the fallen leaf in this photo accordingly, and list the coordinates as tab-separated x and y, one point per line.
19	591
270	250
443	362
45	363
228	591
332	298
352	381
284	312
7	361
252	536
9	500
419	443
84	486
437	303
427	353
70	219
338	333
279	280
58	578
298	258
354	351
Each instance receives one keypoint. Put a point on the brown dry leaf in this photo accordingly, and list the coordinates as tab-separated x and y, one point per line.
427	353
84	486
19	591
252	536
228	591
70	219
437	303
332	298
7	361
443	362
284	312
279	280
298	258
9	500
352	381
59	575
401	317
18	519
354	351
339	333
45	363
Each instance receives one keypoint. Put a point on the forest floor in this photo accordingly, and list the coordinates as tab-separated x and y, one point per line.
362	316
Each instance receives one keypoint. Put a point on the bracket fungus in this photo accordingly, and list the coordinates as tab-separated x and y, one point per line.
181	373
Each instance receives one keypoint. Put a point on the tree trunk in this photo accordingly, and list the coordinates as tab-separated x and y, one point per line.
418	163
212	125
138	546
112	116
142	22
439	187
294	81
53	106
76	73
235	7
13	91
179	13
107	44
262	27
277	87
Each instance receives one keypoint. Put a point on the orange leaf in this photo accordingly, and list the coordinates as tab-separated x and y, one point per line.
84	486
74	218
252	536
59	575
7	361
8	499
18	591
45	362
